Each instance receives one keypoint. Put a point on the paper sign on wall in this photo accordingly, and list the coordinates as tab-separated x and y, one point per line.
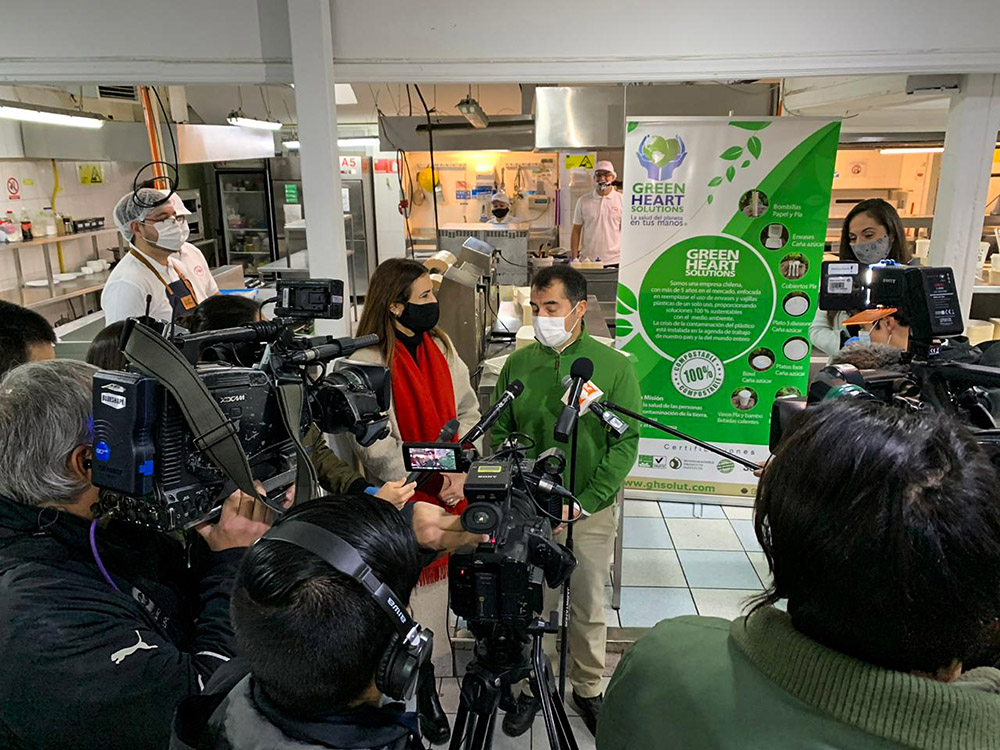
580	161
13	189
291	192
350	164
91	174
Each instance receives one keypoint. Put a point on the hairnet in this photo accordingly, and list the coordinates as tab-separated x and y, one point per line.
500	197
136	207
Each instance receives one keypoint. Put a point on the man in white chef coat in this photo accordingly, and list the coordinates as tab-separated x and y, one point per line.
597	220
160	264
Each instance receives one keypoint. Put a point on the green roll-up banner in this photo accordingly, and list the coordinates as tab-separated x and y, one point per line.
722	238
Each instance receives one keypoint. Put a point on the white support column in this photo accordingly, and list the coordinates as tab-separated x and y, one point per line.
178	103
973	122
316	109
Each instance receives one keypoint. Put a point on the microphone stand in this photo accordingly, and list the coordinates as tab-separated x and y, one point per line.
564	629
746	462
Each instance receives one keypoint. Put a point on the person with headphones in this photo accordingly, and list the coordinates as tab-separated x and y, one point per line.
320	613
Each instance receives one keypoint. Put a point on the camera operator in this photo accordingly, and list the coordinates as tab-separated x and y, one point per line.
335	475
887	550
104	628
313	638
25	336
559	302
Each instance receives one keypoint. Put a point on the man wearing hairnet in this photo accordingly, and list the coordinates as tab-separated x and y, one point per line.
597	220
500	208
160	264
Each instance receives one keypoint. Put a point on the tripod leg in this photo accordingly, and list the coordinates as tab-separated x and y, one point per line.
462	719
543	685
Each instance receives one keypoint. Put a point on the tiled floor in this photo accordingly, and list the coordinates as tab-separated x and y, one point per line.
679	558
687	558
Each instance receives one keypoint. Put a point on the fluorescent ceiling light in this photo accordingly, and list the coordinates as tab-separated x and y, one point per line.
240	120
359	142
472	112
291	145
49	115
913	150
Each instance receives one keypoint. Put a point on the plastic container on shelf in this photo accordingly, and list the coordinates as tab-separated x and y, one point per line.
27	231
48	222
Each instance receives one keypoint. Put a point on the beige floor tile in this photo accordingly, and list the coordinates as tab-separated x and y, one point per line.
703	533
652	567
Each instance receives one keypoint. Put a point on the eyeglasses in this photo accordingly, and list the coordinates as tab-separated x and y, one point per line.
167	219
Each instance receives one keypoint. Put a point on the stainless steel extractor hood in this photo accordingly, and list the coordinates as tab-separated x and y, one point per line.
585	117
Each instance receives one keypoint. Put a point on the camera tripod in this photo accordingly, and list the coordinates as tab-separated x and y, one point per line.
487	686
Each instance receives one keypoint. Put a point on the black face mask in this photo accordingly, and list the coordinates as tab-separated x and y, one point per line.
420	318
500	212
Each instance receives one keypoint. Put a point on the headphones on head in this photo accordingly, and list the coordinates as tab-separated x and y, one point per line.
410	645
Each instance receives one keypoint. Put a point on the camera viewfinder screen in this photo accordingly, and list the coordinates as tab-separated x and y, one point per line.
432	458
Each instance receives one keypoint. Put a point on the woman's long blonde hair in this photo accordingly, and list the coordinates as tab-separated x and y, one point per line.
391	283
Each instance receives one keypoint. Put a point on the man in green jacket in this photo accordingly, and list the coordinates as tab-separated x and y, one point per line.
559	303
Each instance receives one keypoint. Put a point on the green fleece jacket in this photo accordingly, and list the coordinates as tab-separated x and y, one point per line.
603	461
760	684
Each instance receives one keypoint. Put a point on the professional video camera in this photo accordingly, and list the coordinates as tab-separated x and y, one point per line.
174	437
928	376
498	587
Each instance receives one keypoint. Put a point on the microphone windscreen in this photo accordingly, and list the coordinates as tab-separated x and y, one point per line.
582	368
449	431
516	387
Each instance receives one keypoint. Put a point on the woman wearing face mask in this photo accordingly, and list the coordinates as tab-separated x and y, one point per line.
160	264
430	387
872	232
500	205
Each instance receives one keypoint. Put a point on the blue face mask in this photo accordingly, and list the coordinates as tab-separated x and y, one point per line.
871	252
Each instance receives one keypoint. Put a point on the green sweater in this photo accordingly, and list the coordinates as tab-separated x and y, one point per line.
603	461
703	682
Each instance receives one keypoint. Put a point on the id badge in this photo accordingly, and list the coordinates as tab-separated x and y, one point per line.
181	296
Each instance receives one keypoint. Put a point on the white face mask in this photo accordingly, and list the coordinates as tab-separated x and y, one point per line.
171	234
550	331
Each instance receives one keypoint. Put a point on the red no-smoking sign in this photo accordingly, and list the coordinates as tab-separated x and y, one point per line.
13	189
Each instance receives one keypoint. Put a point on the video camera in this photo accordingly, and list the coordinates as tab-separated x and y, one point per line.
163	427
498	586
928	375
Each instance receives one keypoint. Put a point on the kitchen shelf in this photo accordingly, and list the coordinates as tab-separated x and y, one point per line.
986	289
35	297
39	241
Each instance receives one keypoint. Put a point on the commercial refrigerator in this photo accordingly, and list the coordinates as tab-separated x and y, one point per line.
246	207
359	213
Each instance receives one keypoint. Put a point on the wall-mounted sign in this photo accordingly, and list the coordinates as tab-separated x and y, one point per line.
291	192
91	174
13	189
350	164
580	161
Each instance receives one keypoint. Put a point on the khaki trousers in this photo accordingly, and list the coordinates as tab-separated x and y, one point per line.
593	546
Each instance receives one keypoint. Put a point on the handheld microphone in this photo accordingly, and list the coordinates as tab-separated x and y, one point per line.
589	404
506	399
581	371
446	435
333	348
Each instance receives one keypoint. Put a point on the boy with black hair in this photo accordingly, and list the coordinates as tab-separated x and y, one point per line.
313	638
25	336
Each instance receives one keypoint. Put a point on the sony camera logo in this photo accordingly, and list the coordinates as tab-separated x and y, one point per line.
233	399
113	400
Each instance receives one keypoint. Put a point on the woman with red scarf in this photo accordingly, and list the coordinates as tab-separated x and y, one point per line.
430	387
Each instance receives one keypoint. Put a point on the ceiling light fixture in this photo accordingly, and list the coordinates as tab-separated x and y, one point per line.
239	119
472	112
359	141
49	115
912	150
291	145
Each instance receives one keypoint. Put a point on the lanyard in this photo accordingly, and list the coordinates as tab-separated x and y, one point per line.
180	293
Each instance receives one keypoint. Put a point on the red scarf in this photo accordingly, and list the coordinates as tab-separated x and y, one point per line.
423	398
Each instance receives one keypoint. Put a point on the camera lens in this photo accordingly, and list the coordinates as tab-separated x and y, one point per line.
481	518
